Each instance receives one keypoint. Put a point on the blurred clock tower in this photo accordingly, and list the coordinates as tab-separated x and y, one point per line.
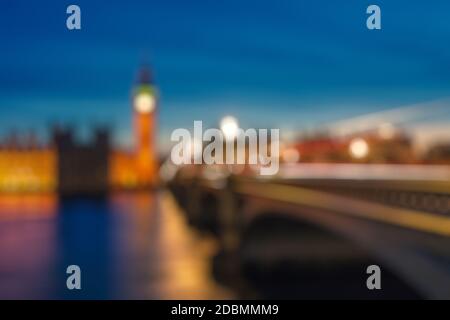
145	102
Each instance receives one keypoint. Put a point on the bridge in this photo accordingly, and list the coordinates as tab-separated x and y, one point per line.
396	216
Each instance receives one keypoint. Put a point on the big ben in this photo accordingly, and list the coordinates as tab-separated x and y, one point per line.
144	110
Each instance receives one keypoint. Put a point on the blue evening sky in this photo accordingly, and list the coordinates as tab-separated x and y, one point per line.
289	64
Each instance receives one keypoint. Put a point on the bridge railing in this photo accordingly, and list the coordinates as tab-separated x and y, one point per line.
420	204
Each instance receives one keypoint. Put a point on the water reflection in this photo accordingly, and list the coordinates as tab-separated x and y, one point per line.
27	245
128	246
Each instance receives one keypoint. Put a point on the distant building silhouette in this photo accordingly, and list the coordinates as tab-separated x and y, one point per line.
324	148
72	168
138	168
82	168
438	154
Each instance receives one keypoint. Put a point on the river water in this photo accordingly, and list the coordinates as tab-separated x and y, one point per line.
128	246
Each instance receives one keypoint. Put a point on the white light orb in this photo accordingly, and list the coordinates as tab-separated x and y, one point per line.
291	155
359	148
229	126
144	103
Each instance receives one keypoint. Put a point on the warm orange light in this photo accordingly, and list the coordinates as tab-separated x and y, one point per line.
28	170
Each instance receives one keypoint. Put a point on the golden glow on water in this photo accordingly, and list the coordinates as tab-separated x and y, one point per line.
162	258
134	246
22	206
28	245
185	258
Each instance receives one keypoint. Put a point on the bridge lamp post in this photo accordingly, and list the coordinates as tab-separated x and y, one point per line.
229	126
359	148
230	129
291	155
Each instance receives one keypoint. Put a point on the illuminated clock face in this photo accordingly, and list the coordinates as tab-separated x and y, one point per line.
144	103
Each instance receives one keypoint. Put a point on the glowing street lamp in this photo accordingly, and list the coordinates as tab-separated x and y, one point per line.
229	126
359	148
291	155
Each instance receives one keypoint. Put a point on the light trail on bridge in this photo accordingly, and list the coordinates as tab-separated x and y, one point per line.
420	221
357	171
